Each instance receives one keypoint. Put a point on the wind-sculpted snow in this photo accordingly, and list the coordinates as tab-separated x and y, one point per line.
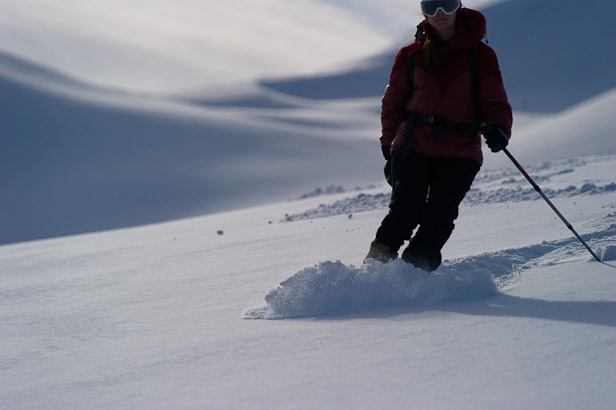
477	196
497	186
369	202
359	203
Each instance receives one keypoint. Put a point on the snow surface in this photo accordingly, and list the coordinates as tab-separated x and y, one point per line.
267	188
153	317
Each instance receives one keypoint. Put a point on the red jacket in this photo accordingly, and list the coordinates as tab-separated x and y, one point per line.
446	93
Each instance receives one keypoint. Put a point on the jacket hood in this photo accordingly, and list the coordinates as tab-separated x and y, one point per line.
470	30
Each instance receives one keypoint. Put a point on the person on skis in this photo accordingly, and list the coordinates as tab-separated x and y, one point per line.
432	116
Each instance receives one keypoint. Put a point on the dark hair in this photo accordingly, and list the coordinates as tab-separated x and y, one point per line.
431	44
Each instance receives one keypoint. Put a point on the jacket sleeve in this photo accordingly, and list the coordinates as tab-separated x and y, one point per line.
395	98
494	107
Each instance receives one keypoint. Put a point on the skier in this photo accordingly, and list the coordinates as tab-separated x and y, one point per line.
431	111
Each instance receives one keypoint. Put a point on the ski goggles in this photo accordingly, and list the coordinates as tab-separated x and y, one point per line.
430	8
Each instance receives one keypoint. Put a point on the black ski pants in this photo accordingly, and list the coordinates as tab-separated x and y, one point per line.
426	193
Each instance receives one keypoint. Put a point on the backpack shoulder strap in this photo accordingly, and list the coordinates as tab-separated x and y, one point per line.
411	57
410	66
472	55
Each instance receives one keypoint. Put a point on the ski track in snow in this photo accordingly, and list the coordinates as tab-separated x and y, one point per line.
332	288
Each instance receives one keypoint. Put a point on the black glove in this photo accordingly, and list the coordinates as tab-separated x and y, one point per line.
387	172
387	168
496	136
386	152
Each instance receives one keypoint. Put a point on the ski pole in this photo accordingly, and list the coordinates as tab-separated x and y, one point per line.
562	218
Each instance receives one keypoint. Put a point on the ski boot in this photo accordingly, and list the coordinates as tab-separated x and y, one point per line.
380	252
428	260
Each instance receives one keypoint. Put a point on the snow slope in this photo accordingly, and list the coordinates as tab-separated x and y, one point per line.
519	317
